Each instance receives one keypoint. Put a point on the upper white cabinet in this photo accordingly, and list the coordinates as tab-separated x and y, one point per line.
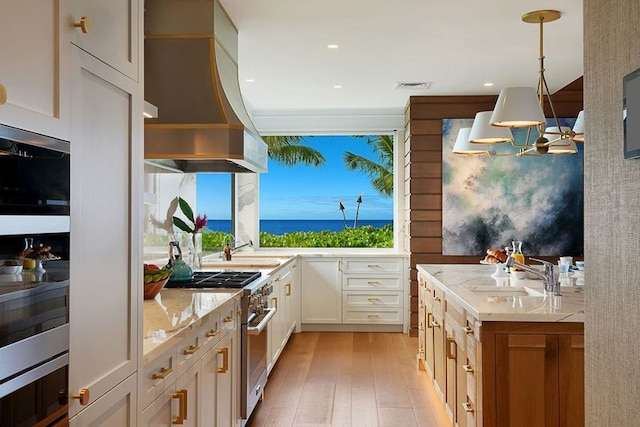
107	29
105	255
34	67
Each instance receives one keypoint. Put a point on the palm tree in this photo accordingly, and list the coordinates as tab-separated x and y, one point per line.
290	151
381	173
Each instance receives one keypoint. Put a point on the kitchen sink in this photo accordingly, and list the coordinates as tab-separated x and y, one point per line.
244	261
521	291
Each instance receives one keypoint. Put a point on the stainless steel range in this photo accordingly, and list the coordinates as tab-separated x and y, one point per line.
256	315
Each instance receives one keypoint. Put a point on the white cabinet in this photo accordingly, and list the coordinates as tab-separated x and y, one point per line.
195	382
106	175
291	299
354	291
109	30
117	408
34	67
321	290
286	298
372	291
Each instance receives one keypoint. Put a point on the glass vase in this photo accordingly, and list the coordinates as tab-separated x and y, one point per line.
195	251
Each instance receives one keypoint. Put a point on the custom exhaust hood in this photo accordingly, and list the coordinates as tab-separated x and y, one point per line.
191	75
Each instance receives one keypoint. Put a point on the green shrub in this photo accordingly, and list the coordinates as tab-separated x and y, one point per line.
362	237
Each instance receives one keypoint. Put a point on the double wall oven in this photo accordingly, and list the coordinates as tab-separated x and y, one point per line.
34	295
256	315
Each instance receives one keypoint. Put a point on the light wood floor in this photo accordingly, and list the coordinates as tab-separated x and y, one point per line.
349	379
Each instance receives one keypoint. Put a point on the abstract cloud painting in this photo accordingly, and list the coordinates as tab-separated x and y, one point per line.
488	201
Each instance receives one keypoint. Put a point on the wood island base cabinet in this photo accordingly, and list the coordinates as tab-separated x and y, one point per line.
533	374
500	374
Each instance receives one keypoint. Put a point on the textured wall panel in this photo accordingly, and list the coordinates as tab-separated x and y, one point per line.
612	218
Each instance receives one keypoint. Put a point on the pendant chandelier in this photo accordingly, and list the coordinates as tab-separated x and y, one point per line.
523	107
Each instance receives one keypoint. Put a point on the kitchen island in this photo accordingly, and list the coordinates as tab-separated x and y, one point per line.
502	351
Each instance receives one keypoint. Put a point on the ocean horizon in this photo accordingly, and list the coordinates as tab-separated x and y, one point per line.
282	226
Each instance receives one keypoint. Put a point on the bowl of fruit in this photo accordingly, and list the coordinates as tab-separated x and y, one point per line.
154	279
10	266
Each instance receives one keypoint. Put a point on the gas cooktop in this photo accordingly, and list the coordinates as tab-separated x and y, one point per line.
217	279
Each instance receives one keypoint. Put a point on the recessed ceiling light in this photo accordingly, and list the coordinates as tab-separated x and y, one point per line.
337	86
251	80
332	46
488	84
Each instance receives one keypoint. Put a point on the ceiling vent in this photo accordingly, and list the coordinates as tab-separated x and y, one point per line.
413	85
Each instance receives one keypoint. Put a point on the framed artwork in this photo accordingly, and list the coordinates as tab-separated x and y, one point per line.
488	201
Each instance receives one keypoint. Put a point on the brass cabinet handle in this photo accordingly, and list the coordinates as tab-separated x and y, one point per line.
429	326
239	311
274	301
467	407
191	350
452	348
467	368
374	300
288	288
277	279
228	319
421	326
373	282
181	395
162	374
212	333
83	396
225	360
84	24
421	350
373	265
3	94
468	330
435	324
436	298
373	316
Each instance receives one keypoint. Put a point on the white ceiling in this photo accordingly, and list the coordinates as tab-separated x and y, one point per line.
456	44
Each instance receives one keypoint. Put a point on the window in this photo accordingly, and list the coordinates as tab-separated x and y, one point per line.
346	201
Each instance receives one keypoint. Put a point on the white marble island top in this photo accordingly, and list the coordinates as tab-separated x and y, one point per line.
173	312
491	299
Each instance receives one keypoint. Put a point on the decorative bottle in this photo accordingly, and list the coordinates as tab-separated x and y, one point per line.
517	254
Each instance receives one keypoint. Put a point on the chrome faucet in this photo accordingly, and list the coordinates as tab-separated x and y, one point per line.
550	284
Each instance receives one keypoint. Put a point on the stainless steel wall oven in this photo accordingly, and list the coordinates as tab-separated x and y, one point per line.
34	291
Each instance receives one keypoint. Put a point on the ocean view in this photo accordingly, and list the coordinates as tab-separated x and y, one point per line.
282	226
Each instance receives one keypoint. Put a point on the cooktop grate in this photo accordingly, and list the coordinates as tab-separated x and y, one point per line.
217	279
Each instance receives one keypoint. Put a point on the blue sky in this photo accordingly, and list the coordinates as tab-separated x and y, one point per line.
304	192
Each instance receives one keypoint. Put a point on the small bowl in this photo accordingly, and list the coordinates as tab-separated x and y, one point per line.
580	265
10	269
152	289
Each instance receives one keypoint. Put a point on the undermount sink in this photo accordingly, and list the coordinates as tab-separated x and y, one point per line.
247	262
523	291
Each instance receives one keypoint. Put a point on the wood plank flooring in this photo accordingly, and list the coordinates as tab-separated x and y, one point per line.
349	379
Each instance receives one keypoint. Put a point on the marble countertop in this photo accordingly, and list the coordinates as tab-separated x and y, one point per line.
175	312
490	298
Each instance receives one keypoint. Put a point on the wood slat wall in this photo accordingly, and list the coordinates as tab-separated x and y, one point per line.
423	171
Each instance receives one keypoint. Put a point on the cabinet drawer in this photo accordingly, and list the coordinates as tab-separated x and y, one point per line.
372	300
159	374
210	332
437	301
456	312
189	349
390	317
372	265
369	283
228	318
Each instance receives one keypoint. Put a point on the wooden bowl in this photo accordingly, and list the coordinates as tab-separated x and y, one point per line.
152	289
